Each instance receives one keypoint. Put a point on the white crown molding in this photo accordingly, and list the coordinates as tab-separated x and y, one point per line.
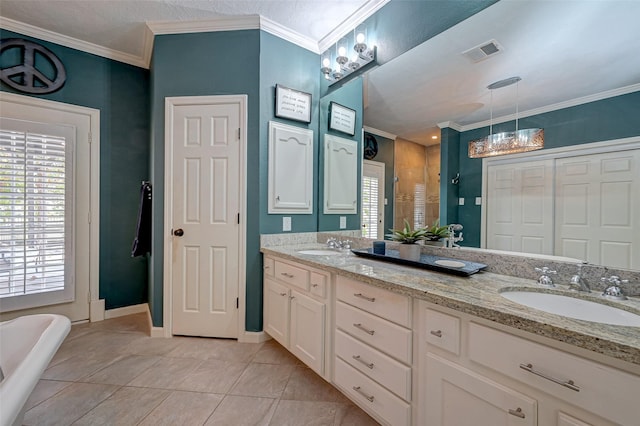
554	107
450	124
380	133
289	35
359	16
248	22
73	43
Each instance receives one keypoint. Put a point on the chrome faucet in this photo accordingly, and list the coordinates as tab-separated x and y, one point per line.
577	283
337	244
613	290
544	279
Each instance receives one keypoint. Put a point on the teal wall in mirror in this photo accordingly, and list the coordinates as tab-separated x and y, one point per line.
607	119
350	96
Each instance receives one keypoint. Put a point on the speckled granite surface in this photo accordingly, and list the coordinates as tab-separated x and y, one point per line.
479	295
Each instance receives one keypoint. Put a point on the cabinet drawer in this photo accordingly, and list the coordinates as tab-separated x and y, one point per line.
375	331
388	305
318	284
370	395
292	275
388	372
443	331
602	390
268	266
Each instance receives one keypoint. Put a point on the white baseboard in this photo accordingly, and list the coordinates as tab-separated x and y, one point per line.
126	310
154	331
253	337
96	310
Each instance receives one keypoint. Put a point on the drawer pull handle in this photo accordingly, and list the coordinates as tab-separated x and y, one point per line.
437	333
314	285
286	275
360	360
283	294
568	384
362	296
267	267
518	412
366	330
361	392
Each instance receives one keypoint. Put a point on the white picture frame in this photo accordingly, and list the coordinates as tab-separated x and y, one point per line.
342	119
293	104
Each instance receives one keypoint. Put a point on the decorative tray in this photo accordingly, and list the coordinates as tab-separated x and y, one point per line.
434	263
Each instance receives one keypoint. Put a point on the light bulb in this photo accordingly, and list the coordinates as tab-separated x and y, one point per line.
360	38
342	51
326	62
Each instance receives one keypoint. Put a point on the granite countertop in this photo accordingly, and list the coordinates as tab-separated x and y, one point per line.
479	295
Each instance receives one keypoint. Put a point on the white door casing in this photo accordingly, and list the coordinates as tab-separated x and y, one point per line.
204	269
86	122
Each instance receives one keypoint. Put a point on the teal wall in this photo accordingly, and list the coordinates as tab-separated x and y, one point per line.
218	63
602	120
350	96
121	93
386	155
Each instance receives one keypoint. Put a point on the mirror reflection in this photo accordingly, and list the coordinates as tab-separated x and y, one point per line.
582	90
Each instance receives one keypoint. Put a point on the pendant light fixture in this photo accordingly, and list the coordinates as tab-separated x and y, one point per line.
522	140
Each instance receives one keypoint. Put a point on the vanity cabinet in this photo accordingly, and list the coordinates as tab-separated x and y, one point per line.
296	311
373	350
472	373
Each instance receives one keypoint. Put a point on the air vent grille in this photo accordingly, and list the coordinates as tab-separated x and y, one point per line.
483	51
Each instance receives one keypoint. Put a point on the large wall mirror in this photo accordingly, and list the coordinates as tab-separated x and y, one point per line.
579	82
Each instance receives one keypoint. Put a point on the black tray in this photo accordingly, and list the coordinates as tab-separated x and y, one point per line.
426	262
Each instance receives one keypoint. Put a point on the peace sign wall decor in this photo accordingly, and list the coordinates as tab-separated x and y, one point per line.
30	67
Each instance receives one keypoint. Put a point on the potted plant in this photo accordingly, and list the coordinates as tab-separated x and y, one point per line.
436	232
408	249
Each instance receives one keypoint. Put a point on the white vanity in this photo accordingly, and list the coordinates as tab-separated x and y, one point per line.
415	347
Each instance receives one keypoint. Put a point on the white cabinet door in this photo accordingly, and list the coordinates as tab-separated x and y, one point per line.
290	169
460	397
340	175
276	311
307	330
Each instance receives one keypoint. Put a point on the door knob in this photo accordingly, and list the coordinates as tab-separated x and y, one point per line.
178	232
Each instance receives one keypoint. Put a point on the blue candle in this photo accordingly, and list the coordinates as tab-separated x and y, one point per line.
379	247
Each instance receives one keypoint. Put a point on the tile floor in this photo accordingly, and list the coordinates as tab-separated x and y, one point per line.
112	373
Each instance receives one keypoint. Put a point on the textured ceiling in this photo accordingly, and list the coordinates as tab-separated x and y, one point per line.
119	25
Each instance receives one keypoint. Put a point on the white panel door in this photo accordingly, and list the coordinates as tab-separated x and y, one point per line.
307	330
205	219
520	207
276	311
598	208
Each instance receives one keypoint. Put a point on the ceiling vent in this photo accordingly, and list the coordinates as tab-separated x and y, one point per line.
483	51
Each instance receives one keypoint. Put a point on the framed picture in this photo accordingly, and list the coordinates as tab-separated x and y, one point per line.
342	119
293	104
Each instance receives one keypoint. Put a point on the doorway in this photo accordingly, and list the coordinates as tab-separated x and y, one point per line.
373	199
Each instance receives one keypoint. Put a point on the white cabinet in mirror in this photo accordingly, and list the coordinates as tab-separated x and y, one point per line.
340	175
290	169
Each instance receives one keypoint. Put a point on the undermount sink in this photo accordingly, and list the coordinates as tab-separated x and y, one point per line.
573	307
320	252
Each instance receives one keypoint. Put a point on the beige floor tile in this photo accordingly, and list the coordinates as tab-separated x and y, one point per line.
266	380
213	376
96	342
152	346
272	352
123	370
305	385
243	411
127	406
79	366
167	373
183	408
45	389
195	347
352	415
304	413
231	350
69	404
130	323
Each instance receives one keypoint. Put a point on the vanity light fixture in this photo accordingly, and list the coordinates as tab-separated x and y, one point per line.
363	56
522	140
